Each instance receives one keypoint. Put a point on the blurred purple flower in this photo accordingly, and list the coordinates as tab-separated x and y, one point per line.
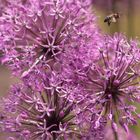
3	4
121	135
96	133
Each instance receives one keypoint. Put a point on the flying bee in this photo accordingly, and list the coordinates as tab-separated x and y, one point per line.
112	18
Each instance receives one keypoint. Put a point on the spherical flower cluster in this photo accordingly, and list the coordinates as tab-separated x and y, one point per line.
39	31
46	115
112	82
107	83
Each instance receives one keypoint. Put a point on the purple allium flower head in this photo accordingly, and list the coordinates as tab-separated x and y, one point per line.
113	81
47	115
39	30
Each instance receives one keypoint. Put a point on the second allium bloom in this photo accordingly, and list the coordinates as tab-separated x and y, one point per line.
114	81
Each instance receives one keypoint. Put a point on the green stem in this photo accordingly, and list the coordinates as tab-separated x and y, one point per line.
130	18
54	136
115	135
114	132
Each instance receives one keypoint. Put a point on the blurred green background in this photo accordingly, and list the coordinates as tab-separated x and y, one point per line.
129	21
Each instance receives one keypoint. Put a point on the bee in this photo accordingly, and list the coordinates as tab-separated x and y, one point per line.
112	18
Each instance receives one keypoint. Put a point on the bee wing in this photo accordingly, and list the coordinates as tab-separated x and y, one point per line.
106	19
113	19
